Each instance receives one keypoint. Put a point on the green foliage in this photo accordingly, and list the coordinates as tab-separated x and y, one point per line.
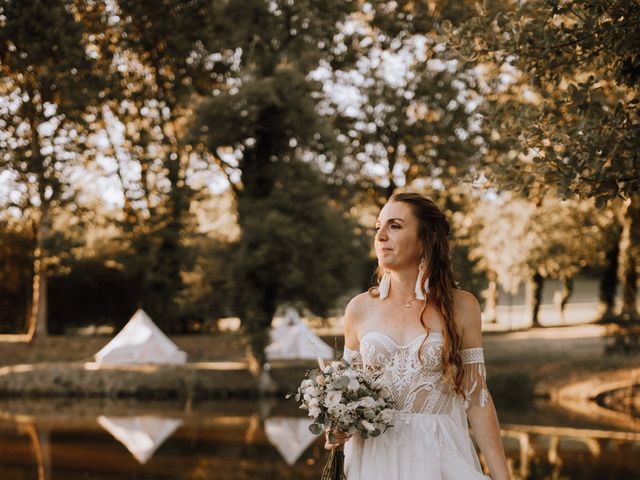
293	240
538	95
208	285
285	99
162	57
570	110
411	119
298	245
91	293
280	32
50	81
516	238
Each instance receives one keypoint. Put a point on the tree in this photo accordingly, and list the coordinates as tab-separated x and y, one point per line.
298	246
571	114
162	56
406	109
519	241
257	130
49	81
414	125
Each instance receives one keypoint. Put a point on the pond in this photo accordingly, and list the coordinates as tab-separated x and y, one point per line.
262	440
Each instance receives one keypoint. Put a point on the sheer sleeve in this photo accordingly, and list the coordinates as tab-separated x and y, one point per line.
475	377
352	357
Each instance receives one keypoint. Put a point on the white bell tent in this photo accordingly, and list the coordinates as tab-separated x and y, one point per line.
291	338
141	435
291	436
140	341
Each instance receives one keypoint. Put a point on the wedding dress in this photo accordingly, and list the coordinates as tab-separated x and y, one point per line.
429	439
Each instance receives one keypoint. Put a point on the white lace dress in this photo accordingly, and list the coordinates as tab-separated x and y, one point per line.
429	439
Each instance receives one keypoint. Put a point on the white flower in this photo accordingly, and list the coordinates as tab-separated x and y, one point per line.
314	411
333	398
369	426
354	384
313	391
366	402
338	410
386	415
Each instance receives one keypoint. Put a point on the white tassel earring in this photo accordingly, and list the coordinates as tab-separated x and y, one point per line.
419	281
384	286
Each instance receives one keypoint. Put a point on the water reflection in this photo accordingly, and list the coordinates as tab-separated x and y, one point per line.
251	440
142	435
291	436
557	451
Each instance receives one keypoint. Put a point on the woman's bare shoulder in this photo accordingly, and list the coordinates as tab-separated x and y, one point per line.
359	302
353	315
357	306
468	317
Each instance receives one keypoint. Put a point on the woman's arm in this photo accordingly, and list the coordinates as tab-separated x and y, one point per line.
481	410
486	430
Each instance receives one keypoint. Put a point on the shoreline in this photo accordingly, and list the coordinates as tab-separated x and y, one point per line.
563	364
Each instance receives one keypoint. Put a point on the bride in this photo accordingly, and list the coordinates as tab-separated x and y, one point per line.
423	335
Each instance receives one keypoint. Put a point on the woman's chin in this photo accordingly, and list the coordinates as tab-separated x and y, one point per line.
385	264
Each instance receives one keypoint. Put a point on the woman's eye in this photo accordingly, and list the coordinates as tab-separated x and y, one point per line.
395	226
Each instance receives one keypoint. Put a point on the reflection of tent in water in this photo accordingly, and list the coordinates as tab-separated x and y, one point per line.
140	341
292	338
141	435
291	436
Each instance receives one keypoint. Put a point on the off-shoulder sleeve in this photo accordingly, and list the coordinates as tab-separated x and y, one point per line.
352	357
475	377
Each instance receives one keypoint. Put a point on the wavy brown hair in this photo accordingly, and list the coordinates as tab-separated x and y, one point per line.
433	233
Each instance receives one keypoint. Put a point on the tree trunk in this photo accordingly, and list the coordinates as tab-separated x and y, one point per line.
256	297
565	295
491	298
534	297
38	314
257	314
629	247
392	163
609	282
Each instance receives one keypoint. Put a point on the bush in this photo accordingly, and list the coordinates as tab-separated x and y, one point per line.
90	294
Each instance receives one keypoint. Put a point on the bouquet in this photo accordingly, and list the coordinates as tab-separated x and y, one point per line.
344	399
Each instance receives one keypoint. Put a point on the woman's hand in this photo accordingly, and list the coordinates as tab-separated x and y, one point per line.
339	439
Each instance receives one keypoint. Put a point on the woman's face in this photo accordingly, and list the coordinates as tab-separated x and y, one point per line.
397	244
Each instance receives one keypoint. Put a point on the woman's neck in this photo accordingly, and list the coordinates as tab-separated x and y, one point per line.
403	283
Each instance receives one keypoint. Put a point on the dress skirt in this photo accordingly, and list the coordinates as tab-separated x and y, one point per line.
417	447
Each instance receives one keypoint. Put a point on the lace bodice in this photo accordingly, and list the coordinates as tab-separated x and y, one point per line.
416	382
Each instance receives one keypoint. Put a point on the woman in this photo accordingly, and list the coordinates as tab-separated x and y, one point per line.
423	335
